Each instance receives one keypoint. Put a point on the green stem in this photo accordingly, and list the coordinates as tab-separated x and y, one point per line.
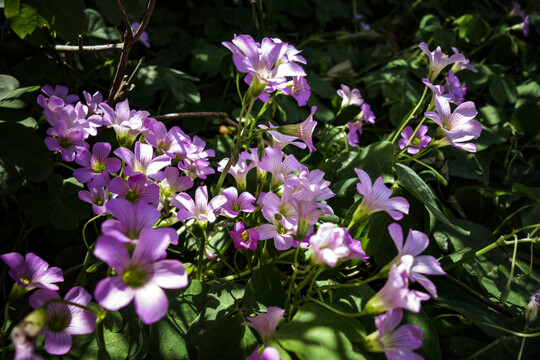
84	229
410	116
249	271
440	178
336	311
64	165
66	302
506	290
200	271
3	330
374	277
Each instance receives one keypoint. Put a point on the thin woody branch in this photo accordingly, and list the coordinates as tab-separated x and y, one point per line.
87	49
115	94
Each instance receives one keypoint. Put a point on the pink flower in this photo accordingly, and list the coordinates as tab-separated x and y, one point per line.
333	244
423	264
458	126
136	188
268	353
266	324
302	131
395	293
143	161
200	209
377	198
349	97
395	342
439	60
236	203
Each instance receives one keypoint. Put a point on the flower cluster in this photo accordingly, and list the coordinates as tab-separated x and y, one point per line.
271	65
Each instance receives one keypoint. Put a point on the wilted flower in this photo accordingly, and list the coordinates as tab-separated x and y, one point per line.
395	342
63	320
420	139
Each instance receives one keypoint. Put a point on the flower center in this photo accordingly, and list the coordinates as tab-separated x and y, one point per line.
99	167
59	321
245	236
24	280
65	143
132	195
416	141
135	278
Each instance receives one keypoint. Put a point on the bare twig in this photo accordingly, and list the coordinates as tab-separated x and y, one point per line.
502	309
117	92
187	115
89	49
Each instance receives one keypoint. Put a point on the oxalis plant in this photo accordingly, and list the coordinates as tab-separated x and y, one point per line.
303	222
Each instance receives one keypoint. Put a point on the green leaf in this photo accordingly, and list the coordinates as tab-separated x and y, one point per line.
472	28
26	21
23	156
420	190
11	8
66	17
430	341
97	27
166	342
525	118
264	289
182	86
317	333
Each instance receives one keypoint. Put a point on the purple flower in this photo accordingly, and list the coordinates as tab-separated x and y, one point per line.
424	264
238	171
395	342
60	92
63	320
32	272
131	219
96	165
284	207
420	139
281	139
439	60
136	188
97	196
172	184
280	168
67	141
144	36
200	209
173	142
355	129
302	131
139	276
266	324
267	64
268	353
300	90
332	244
377	198
244	239
458	126
127	124
523	26
456	92
460	65
395	293
282	235
143	161
236	203
93	102
516	10
350	97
